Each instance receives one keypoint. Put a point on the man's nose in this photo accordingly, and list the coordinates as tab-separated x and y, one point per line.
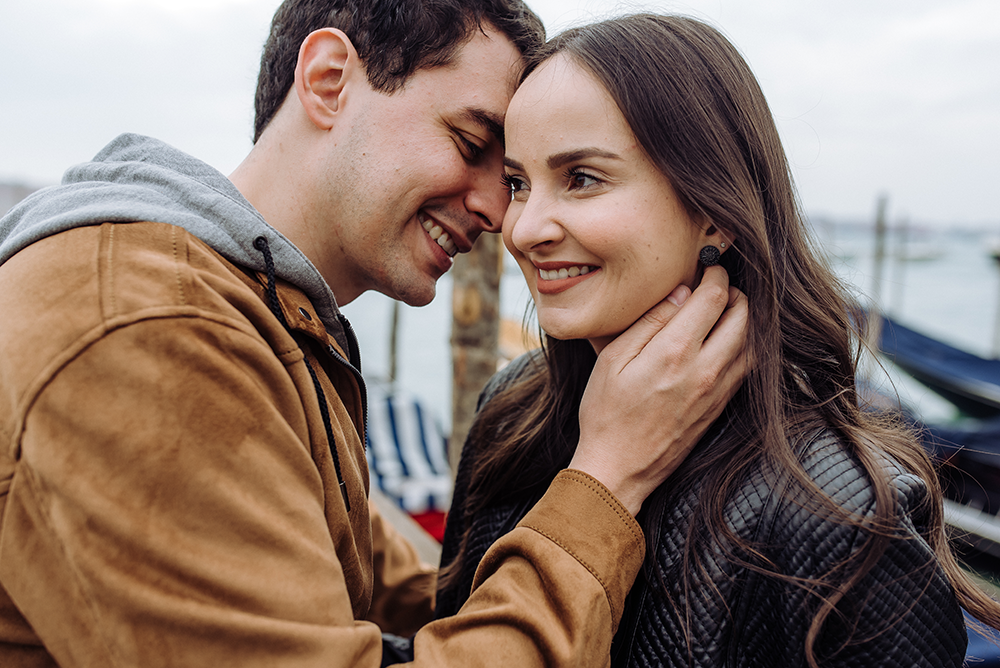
487	198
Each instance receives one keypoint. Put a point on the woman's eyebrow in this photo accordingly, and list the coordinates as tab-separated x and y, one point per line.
559	159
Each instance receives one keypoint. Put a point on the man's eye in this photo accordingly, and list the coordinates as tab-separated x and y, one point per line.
472	150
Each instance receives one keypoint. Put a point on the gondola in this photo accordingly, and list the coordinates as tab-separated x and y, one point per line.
971	383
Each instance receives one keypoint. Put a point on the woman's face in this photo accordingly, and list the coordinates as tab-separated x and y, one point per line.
598	231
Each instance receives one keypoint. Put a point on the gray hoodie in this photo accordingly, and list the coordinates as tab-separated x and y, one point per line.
136	178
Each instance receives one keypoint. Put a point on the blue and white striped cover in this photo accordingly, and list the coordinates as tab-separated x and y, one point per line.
407	452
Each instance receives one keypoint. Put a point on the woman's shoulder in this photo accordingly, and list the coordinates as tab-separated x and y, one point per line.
776	504
511	373
824	507
838	471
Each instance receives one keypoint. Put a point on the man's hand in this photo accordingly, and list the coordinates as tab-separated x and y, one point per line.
656	388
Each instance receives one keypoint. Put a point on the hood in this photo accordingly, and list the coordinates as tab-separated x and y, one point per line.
136	178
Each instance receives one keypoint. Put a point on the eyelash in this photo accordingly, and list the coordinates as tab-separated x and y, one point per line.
574	172
511	182
515	184
474	150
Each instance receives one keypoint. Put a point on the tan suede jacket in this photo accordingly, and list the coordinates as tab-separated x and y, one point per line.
168	494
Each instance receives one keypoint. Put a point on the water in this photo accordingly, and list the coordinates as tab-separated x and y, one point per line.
949	289
952	294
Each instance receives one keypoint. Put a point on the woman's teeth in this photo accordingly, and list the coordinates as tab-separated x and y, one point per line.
565	272
440	236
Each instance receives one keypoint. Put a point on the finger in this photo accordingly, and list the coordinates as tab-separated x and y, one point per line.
729	333
729	380
725	351
734	295
706	304
679	295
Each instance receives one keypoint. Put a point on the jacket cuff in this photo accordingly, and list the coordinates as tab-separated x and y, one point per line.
580	515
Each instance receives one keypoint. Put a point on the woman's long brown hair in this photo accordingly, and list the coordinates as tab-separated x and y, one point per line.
697	110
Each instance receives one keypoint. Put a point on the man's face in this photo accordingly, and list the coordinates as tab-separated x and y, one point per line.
423	178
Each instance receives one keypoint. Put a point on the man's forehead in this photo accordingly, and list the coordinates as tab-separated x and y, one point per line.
476	85
494	60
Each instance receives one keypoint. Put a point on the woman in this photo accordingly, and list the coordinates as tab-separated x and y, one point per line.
801	530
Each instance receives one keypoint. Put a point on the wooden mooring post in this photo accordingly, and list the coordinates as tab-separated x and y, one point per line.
874	329
475	331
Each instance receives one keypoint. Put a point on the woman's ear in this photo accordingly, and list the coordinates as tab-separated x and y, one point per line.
714	236
327	63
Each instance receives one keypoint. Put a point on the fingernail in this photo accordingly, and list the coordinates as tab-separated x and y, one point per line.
679	295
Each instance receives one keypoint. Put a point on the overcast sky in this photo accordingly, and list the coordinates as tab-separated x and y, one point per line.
900	97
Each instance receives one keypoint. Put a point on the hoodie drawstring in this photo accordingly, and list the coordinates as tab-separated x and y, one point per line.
260	243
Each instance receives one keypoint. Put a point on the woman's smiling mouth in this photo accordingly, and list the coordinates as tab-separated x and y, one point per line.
564	272
552	281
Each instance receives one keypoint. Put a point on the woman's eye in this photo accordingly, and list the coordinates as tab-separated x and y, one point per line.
513	183
578	180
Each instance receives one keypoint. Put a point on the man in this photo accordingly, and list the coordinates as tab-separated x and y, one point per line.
182	478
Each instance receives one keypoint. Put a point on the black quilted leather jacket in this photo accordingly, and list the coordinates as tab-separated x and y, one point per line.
909	613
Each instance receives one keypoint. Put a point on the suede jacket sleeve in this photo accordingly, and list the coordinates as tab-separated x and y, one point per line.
403	586
168	495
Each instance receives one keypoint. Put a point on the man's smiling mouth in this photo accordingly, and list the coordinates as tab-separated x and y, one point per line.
438	234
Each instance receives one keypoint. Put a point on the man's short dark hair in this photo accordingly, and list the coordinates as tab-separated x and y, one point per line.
394	38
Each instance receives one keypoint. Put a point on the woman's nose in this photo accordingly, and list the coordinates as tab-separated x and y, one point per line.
532	224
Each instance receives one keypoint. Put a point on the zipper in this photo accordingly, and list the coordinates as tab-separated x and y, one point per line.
354	366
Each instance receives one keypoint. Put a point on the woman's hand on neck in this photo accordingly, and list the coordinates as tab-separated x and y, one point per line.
658	386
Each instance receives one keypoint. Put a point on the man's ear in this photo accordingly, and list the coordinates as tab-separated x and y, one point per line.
327	62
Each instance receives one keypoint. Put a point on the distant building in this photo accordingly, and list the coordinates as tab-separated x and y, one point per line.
11	194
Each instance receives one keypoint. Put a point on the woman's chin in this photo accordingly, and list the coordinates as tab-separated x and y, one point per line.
598	342
562	332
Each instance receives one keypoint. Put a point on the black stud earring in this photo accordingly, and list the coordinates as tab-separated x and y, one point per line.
709	256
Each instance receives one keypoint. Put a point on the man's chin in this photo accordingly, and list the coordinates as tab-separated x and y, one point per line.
414	301
414	295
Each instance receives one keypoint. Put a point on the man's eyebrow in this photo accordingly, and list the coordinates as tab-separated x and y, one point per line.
559	159
513	164
487	120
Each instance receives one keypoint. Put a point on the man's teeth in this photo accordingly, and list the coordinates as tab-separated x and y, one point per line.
440	236
565	272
